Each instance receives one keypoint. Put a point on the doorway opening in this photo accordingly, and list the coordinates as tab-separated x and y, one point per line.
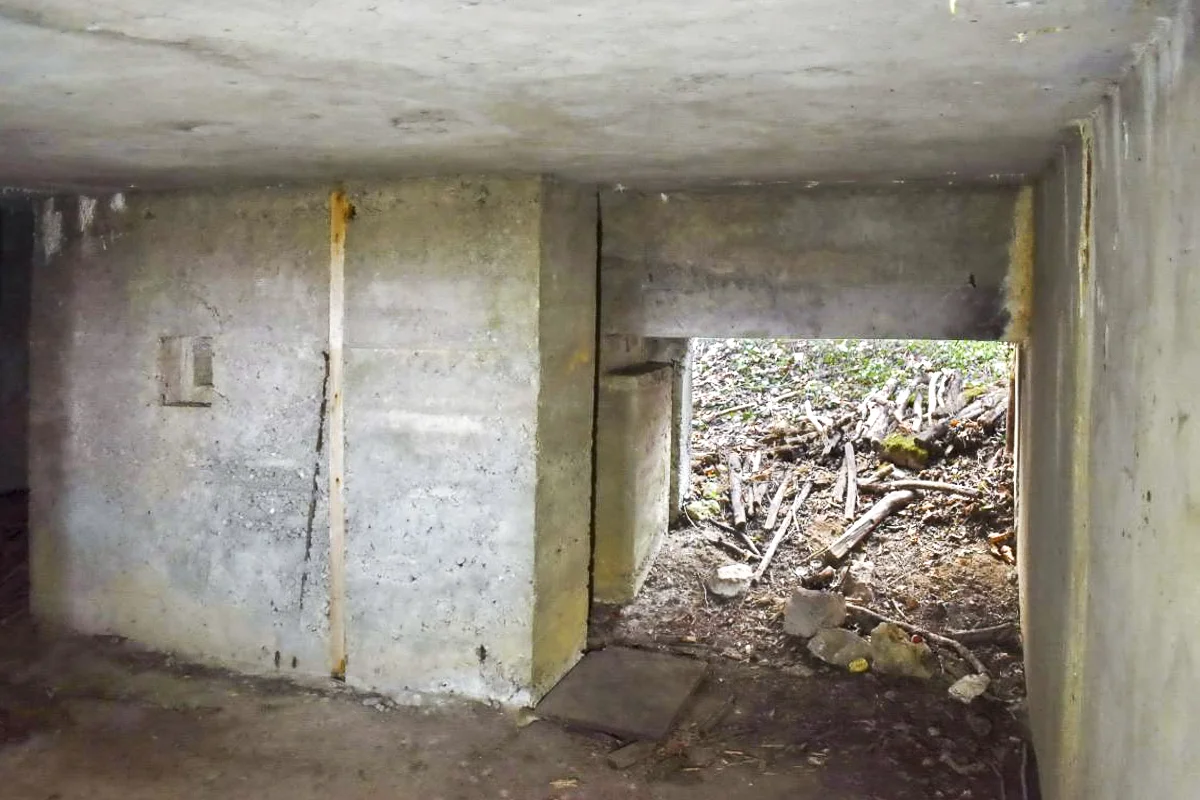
850	510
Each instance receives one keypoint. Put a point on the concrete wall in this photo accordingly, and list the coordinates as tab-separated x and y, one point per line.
621	352
16	271
206	529
633	477
1110	475
901	262
1053	483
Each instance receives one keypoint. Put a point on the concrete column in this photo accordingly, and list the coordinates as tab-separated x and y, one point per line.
633	466
678	353
470	368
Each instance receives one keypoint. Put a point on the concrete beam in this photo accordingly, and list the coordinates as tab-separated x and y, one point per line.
783	261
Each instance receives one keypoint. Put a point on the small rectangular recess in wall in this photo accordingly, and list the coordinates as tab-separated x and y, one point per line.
185	370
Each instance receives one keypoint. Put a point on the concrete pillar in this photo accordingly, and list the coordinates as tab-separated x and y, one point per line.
469	336
633	466
678	353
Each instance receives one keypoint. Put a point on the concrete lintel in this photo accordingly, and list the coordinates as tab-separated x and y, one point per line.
896	262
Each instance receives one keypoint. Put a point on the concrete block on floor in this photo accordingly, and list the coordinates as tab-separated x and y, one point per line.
633	694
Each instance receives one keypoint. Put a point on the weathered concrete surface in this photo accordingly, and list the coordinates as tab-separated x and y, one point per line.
163	93
901	262
205	530
619	352
1053	431
16	273
678	353
567	317
190	529
633	465
1112	484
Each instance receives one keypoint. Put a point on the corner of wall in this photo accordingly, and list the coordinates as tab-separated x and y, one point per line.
567	296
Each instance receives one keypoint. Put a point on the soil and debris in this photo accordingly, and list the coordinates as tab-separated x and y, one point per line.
851	514
102	719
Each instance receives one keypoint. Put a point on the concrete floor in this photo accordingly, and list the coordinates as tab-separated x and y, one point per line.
96	719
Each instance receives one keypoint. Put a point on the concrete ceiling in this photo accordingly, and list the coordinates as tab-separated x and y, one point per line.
643	92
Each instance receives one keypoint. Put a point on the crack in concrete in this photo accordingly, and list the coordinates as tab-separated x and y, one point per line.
316	487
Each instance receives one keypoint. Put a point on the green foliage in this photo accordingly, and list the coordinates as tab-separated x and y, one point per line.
827	372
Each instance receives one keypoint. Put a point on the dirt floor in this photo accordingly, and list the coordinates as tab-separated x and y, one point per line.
942	564
99	719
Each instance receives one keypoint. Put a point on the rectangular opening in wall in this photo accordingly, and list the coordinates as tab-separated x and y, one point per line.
186	370
874	473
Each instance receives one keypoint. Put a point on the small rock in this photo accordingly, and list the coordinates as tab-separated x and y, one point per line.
858	585
816	576
702	509
699	756
904	451
810	610
630	754
797	671
980	725
838	647
892	653
731	580
968	687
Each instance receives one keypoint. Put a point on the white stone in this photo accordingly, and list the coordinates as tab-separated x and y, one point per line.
810	610
838	646
968	687
731	580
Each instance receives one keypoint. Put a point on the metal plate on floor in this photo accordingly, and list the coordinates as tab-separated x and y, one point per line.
633	694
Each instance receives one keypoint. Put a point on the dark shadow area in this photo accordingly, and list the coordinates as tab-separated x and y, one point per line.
16	273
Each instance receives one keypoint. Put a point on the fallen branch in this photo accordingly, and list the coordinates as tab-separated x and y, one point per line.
812	419
981	404
733	410
784	527
851	483
902	403
839	486
934	379
945	641
717	541
735	491
868	522
746	540
989	419
776	502
992	633
928	486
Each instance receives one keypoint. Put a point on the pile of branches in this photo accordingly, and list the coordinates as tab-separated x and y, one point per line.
900	430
